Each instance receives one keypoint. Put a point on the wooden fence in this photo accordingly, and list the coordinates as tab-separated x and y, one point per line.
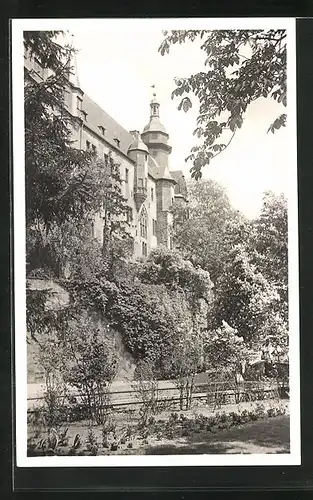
211	394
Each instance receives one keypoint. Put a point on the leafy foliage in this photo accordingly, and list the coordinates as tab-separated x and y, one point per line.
90	364
245	299
244	65
224	349
146	387
269	244
63	183
210	230
150	320
169	268
56	173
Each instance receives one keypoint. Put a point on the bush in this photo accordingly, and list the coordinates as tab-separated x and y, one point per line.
146	387
91	442
90	365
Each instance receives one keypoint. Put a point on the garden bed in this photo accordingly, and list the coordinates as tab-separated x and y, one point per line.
243	428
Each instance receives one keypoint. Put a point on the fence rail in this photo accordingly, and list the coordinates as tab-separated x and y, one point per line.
219	393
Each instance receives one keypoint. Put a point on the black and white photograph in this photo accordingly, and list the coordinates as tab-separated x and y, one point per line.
155	242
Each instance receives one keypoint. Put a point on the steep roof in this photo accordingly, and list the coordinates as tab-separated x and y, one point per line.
137	143
97	117
154	125
180	187
73	76
176	174
158	172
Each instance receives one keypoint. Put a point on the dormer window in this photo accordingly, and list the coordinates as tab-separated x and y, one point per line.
102	129
117	142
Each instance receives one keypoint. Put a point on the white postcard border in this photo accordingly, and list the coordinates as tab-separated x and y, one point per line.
18	26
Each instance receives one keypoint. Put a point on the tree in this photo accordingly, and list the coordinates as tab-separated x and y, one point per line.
268	242
150	319
246	300
62	182
90	363
224	349
56	173
146	387
72	246
244	65
65	186
211	229
164	267
186	360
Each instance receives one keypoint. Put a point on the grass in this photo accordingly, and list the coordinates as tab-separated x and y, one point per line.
270	435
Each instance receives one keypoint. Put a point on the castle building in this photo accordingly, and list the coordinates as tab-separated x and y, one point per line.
149	186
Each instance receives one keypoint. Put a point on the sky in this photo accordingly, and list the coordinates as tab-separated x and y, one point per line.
116	68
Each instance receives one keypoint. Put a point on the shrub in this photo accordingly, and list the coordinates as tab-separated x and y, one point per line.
90	365
146	387
91	442
260	411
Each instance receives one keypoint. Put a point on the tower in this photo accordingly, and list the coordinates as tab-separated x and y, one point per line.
138	152
155	136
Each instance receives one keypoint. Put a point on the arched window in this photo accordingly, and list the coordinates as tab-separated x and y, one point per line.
143	223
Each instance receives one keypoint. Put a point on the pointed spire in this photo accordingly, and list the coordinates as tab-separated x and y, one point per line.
74	78
154	106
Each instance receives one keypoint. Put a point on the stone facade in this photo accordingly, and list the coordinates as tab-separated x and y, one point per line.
149	187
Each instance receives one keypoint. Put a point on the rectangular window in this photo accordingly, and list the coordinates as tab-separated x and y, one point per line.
154	223
79	103
126	175
140	183
129	214
151	194
87	145
144	249
92	229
